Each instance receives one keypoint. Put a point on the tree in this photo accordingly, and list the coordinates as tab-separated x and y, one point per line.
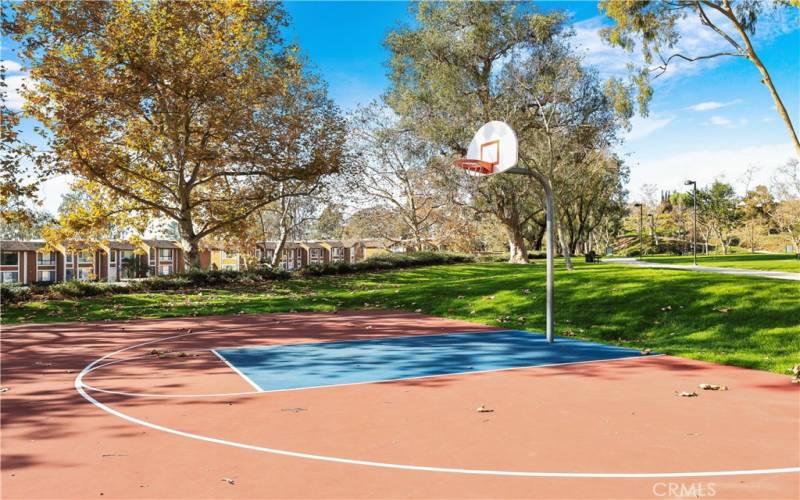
330	223
395	170
719	207
787	218
19	187
193	111
653	25
378	221
465	64
786	181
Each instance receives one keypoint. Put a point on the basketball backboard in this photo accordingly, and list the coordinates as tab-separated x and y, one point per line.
493	150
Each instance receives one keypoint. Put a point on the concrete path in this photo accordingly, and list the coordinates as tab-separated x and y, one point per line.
778	275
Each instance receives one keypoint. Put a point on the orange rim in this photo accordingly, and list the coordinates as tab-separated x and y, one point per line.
479	166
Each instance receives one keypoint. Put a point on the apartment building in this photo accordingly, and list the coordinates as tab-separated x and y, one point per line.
34	262
112	261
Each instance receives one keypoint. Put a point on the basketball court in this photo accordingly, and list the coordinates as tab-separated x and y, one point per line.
379	405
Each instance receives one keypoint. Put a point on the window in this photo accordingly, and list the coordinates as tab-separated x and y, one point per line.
9	277
165	253
69	258
85	273
9	259
152	256
112	256
69	275
315	255
165	270
46	276
337	254
85	257
46	259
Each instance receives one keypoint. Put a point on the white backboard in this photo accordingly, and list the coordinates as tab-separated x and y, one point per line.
495	143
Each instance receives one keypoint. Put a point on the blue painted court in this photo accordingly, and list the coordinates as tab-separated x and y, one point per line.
320	364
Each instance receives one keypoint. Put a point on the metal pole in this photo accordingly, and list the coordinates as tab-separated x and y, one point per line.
694	223
550	218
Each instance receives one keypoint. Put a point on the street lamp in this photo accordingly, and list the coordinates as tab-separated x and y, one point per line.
694	218
641	237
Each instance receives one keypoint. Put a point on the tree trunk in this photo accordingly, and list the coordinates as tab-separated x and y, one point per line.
767	80
516	245
193	255
564	248
538	238
276	257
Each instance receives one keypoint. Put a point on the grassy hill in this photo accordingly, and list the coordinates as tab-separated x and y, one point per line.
750	322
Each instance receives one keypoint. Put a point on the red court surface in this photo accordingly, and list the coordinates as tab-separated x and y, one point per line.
610	429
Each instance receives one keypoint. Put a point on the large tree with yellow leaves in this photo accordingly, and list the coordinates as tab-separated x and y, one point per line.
192	111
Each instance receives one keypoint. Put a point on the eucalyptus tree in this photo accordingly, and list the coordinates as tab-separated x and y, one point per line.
654	27
466	63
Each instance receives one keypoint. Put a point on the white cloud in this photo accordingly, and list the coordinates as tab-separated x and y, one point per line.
709	105
15	78
720	120
704	166
11	66
642	127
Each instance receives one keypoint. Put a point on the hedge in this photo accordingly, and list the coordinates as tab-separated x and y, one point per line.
387	261
215	278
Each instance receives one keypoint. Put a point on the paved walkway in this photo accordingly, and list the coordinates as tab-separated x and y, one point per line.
778	275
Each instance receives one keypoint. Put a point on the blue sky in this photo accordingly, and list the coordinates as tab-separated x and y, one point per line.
707	120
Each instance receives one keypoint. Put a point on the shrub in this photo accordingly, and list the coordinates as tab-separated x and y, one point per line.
387	261
159	283
199	278
76	288
11	293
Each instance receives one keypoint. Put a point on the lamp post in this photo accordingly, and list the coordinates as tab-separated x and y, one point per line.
694	219
641	237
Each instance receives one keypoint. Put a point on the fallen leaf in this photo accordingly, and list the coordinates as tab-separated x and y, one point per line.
483	409
417	310
228	480
713	387
686	394
645	352
4	389
666	308
723	310
294	410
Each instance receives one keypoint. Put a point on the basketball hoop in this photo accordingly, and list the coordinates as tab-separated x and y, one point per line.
472	165
493	150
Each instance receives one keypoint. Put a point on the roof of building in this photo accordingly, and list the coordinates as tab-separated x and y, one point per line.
16	245
120	245
374	243
162	243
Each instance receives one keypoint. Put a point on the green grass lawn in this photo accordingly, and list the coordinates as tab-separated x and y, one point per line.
751	322
763	262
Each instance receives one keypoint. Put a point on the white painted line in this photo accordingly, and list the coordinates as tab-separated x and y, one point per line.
79	386
255	386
